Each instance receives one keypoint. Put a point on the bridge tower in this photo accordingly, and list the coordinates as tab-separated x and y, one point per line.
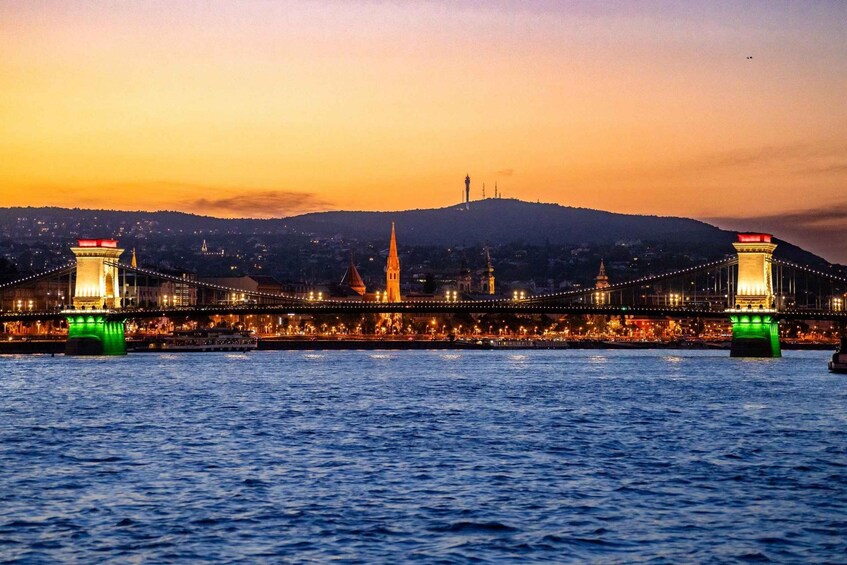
97	285
97	289
755	332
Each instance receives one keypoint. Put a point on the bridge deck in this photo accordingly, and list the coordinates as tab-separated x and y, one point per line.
422	308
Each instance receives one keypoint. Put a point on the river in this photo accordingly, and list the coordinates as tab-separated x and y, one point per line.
430	456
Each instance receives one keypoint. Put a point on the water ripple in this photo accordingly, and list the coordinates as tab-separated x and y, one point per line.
423	456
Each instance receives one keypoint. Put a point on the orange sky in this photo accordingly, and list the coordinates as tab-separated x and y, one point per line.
274	108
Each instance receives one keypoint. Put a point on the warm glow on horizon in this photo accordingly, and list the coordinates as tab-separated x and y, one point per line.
272	109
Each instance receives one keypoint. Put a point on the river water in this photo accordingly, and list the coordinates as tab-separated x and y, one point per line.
433	456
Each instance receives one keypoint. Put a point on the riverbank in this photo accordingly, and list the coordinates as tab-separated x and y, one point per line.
22	347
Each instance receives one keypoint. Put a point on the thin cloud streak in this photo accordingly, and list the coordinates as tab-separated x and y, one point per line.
261	204
196	198
818	230
798	158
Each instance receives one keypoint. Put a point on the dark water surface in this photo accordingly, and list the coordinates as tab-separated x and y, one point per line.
415	455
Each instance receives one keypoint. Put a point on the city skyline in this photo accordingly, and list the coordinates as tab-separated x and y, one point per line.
722	112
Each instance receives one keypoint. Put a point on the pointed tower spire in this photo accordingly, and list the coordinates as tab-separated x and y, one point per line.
204	248
352	278
489	273
602	281
134	262
392	270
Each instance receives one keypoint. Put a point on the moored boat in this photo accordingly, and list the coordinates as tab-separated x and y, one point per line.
211	339
838	363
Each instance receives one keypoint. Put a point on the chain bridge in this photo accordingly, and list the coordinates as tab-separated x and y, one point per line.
96	294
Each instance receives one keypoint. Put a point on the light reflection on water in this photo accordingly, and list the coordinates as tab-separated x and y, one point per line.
555	455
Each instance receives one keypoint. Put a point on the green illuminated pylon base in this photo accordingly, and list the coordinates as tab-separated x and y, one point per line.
90	334
754	335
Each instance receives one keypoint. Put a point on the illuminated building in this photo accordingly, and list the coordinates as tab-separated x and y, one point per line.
488	275
601	281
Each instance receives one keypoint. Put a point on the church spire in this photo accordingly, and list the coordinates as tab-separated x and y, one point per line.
489	273
392	270
602	281
134	262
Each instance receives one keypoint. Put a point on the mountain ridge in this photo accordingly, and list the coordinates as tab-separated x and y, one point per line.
487	222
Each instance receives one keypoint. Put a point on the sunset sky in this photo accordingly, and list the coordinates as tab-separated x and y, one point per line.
274	108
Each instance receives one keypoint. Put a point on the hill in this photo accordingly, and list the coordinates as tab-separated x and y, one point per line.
488	222
500	221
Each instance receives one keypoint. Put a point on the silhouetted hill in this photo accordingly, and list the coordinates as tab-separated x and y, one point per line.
499	221
490	222
508	220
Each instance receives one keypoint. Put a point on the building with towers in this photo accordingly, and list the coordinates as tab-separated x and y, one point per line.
464	282
478	281
601	283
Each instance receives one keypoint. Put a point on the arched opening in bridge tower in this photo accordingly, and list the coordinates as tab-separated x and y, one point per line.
755	336
95	335
110	286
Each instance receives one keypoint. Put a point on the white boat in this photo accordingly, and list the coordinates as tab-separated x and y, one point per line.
212	339
838	364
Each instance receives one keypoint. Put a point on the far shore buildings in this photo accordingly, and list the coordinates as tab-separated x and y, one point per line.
480	282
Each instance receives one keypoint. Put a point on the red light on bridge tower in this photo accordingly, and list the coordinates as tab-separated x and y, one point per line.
754	238
109	243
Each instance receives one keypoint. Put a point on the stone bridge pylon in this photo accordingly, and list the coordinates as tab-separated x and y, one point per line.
755	331
97	292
